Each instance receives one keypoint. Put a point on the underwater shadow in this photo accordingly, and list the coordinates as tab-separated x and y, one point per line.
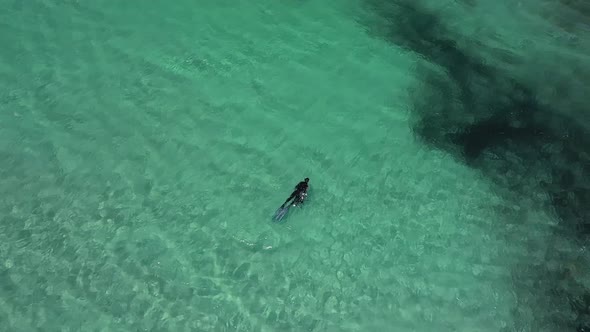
493	123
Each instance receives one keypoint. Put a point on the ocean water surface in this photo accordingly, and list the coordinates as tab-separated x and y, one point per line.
144	147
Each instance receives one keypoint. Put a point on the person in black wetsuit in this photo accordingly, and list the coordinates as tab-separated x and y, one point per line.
299	194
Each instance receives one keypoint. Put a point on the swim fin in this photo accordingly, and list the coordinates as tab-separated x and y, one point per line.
281	212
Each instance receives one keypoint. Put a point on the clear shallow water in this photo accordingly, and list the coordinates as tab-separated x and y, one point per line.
145	147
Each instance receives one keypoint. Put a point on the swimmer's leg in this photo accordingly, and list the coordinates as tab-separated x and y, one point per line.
290	198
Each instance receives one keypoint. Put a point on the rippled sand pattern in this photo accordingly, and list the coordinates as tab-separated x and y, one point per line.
145	145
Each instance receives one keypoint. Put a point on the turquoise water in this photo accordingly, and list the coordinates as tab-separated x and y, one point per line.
145	146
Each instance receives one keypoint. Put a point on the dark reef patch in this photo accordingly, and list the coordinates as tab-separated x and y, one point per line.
477	108
497	125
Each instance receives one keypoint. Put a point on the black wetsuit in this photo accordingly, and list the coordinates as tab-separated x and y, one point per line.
298	195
